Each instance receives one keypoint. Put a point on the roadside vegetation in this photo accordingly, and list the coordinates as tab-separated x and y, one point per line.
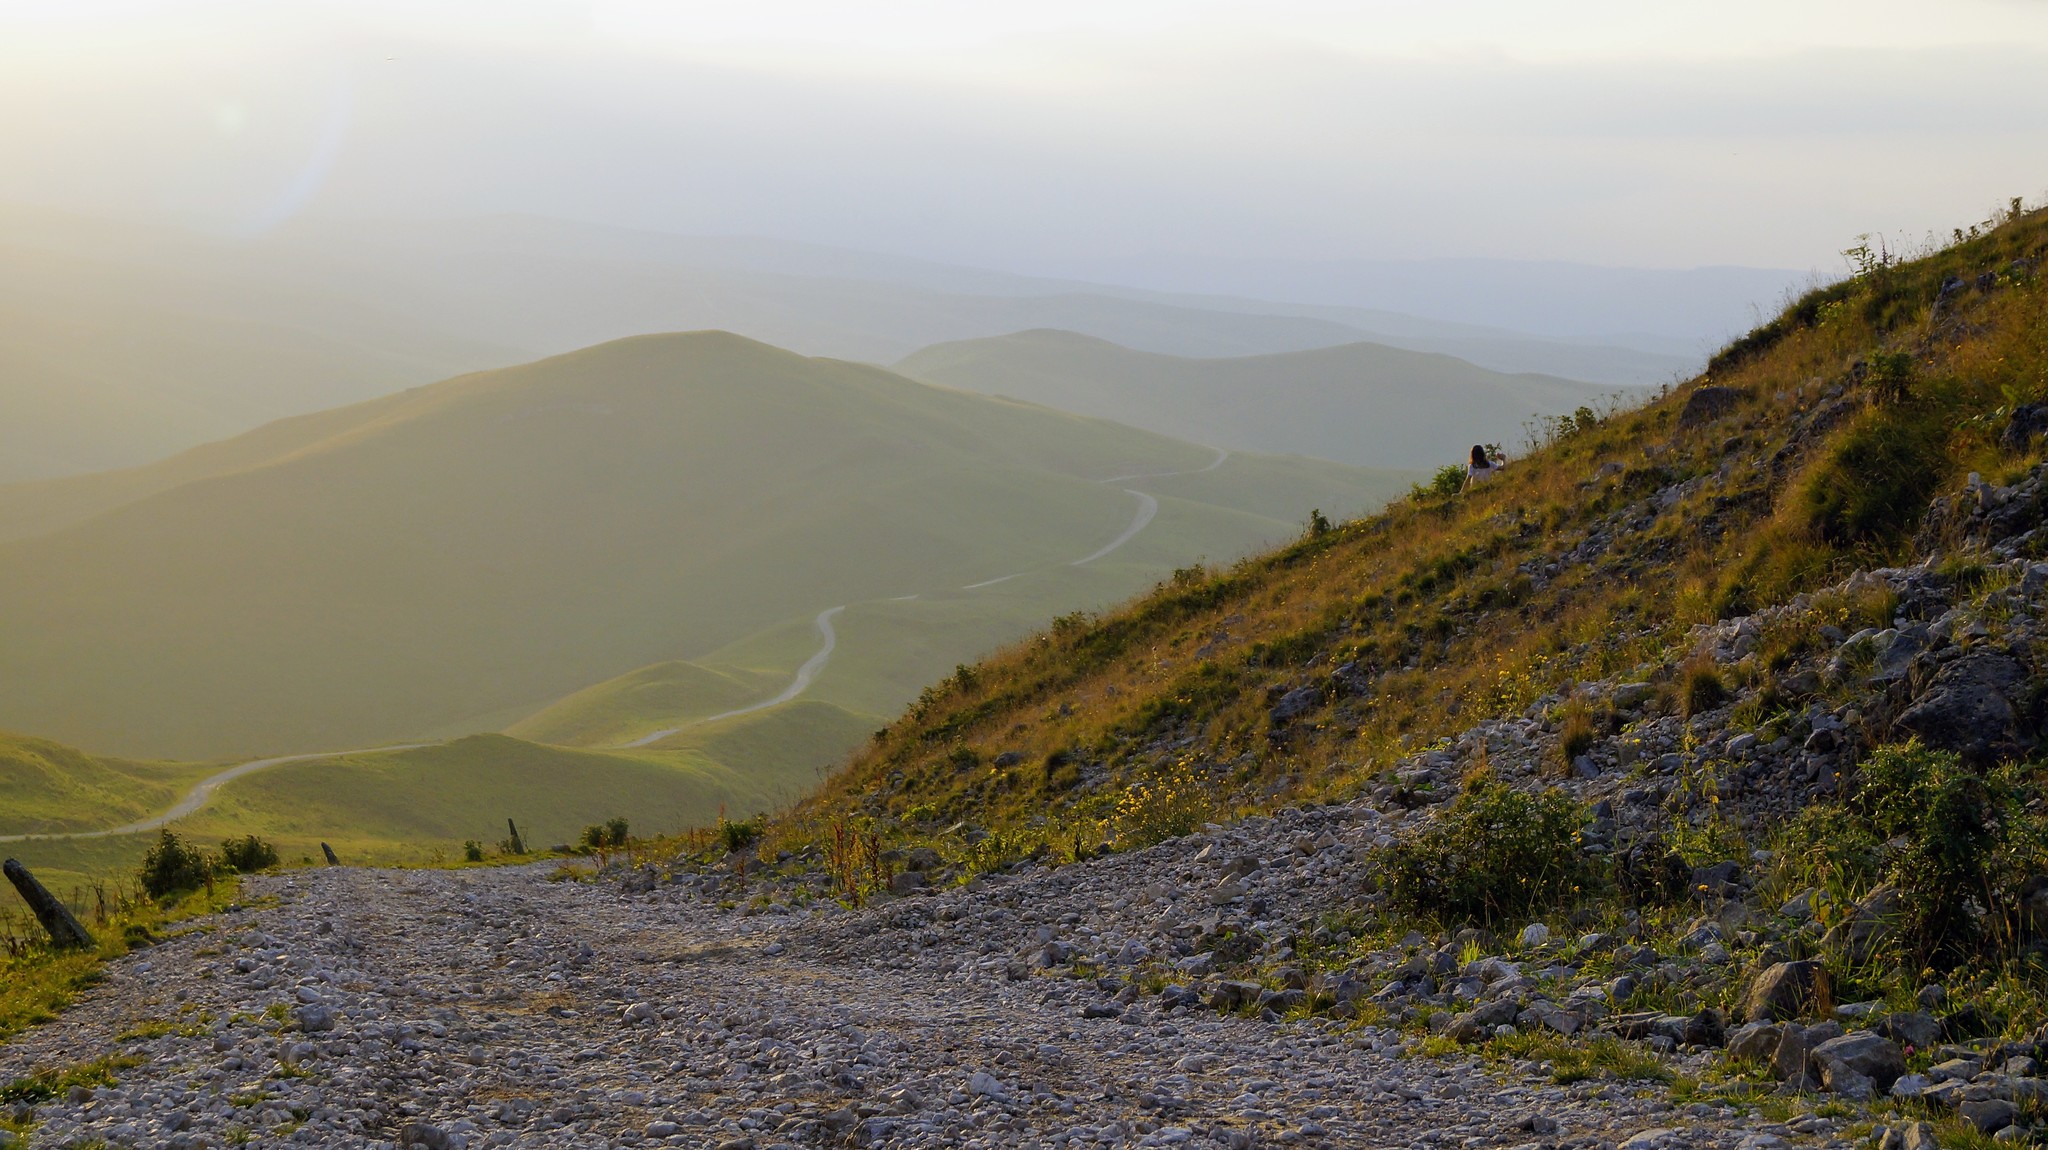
177	881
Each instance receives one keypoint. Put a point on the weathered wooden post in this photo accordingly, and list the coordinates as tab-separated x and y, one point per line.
517	844
65	931
329	852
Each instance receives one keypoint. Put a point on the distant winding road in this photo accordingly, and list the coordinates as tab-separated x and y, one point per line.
200	795
797	686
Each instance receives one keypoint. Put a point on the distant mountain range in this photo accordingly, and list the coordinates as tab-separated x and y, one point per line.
1353	403
125	343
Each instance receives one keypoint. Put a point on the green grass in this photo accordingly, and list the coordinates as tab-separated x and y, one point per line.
45	1085
413	806
37	983
397	804
47	787
649	699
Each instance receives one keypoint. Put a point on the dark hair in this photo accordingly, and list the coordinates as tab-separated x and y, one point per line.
1479	456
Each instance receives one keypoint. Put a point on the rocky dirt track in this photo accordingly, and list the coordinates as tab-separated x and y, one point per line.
494	1007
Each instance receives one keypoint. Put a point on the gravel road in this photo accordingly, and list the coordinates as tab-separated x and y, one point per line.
494	1007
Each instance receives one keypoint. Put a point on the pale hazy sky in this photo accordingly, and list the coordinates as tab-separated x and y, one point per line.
1044	136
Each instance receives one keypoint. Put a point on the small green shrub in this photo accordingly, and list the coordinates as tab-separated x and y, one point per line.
247	855
472	851
740	835
610	833
1495	854
174	867
1959	842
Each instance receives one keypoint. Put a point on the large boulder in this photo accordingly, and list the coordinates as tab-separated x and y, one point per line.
1786	990
1967	708
1707	404
2027	423
1859	1064
1793	1060
1915	1028
1988	1115
1756	1041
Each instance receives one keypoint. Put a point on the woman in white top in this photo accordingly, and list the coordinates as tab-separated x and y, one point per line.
1480	469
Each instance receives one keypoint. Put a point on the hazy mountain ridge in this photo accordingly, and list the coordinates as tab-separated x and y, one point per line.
128	342
1349	403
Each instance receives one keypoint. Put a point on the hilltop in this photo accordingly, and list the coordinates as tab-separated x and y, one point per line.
458	556
1356	403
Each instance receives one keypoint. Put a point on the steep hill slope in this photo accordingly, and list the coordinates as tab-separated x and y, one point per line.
458	556
1815	447
1355	403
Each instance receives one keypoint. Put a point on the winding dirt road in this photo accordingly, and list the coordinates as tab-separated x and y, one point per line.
201	794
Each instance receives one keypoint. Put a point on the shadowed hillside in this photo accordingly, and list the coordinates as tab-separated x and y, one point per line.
1355	403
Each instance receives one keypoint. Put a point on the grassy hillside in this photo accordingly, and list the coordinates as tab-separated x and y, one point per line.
1812	448
616	710
1358	403
462	555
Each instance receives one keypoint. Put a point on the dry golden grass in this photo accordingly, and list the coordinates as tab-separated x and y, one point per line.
1455	609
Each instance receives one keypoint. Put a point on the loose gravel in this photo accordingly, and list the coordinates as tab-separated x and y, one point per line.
495	1007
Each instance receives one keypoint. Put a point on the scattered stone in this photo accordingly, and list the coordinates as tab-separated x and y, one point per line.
1854	1063
1786	990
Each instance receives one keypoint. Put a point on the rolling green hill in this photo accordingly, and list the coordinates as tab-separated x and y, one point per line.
459	557
47	787
387	806
1358	403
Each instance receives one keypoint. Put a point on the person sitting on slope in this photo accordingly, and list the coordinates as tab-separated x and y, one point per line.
1481	468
